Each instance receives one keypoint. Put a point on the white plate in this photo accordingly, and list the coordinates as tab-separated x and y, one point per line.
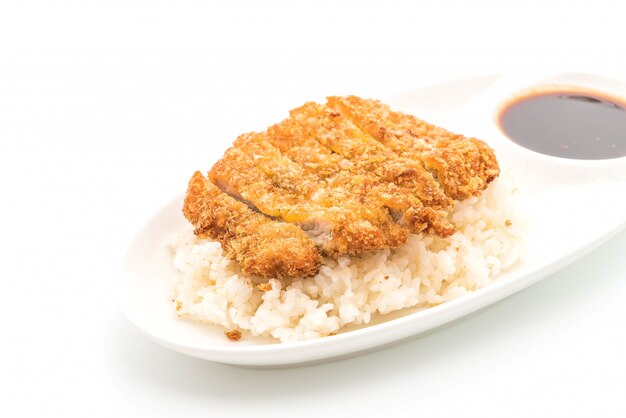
574	207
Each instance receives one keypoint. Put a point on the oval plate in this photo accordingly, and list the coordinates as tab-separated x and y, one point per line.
573	206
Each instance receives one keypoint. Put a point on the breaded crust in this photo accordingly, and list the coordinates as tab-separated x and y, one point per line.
298	143
291	176
408	187
261	245
464	166
337	224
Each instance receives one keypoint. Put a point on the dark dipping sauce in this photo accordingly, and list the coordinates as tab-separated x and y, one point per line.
567	123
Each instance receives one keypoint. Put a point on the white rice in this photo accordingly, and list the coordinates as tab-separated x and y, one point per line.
351	290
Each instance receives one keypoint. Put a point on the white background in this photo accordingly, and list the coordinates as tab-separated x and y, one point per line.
106	108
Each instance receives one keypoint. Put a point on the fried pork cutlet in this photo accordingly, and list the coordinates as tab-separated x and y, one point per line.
336	225
464	166
343	178
261	245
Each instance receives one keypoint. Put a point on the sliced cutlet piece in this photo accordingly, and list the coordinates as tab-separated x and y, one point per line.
336	226
464	166
262	246
281	170
296	143
414	192
299	144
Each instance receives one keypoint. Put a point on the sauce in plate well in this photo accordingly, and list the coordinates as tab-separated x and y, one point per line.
567	123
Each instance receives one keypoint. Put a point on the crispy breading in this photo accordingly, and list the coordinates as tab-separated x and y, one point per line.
464	166
233	335
298	143
262	246
264	287
290	176
403	185
294	142
339	134
337	225
281	170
